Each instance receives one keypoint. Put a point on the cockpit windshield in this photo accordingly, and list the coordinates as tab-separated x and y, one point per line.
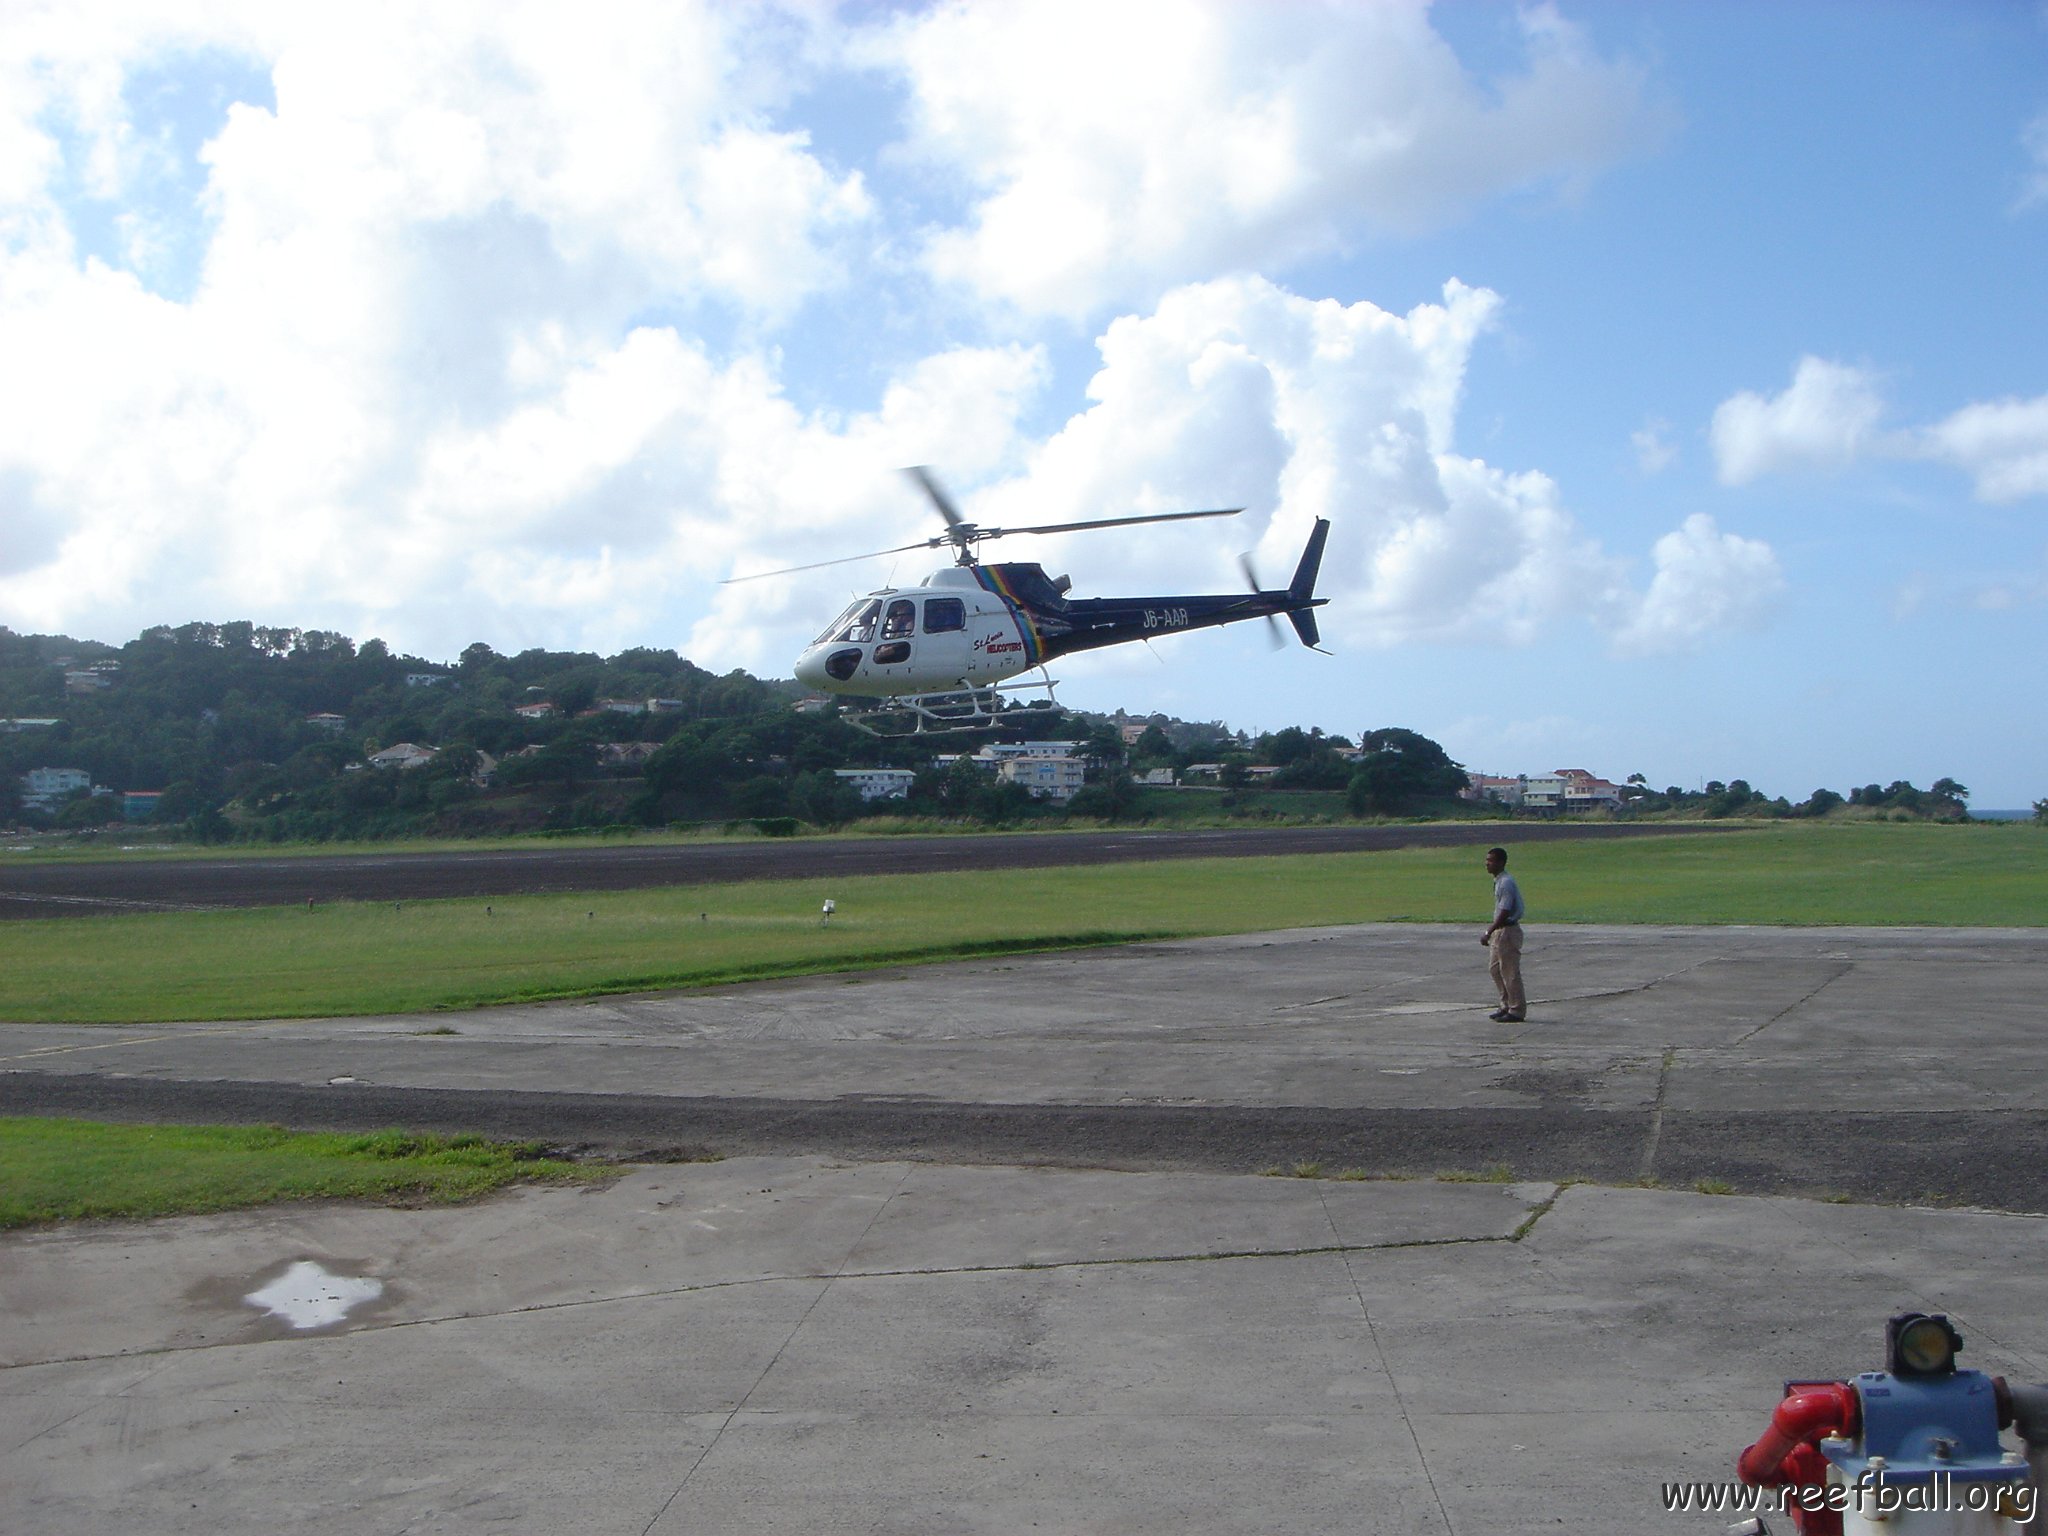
856	626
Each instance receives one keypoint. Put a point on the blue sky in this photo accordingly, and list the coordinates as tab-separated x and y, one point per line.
1672	373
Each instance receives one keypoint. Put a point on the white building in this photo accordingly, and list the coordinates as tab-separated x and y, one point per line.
44	789
1058	779
1004	751
877	783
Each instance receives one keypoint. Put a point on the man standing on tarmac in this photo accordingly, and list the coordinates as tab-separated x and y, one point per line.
1503	937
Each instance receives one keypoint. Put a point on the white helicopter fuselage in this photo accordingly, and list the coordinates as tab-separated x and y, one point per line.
948	633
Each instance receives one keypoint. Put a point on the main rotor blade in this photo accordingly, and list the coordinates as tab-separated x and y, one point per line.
939	498
1272	624
818	565
1111	522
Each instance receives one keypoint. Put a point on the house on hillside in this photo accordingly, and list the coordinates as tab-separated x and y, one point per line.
1584	791
1492	786
1567	789
626	754
404	754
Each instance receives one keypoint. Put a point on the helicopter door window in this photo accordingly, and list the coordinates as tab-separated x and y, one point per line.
894	651
944	613
902	620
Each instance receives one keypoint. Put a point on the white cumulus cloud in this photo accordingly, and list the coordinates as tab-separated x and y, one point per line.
1829	419
1116	149
2002	445
1823	420
1707	583
489	327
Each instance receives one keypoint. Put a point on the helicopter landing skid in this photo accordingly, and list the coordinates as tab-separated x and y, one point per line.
938	714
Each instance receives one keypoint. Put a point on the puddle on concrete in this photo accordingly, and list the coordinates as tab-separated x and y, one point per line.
307	1296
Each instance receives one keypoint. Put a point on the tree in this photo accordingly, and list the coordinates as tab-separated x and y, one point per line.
90	811
1154	746
1109	799
2041	812
824	799
1401	771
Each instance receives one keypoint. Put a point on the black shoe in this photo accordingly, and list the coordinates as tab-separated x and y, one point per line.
1500	1016
1514	1018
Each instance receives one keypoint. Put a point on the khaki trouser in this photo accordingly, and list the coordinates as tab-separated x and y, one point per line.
1506	967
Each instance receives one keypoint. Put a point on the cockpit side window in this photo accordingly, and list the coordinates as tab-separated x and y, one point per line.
839	625
856	626
944	613
902	620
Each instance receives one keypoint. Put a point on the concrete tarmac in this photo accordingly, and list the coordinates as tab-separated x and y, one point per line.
817	1337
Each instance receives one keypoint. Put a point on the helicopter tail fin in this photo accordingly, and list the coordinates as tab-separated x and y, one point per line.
1302	589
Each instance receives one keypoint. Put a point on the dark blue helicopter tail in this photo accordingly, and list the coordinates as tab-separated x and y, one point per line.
1302	589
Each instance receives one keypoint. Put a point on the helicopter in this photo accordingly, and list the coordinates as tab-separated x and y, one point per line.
941	656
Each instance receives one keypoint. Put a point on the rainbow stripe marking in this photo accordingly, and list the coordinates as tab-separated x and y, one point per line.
993	580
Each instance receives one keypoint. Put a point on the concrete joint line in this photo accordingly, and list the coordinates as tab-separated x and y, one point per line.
740	1407
825	1283
1847	967
1372	1332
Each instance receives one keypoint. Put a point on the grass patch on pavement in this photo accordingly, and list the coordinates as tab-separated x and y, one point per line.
373	958
67	1170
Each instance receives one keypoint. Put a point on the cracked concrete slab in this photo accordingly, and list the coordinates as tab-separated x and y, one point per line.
777	1345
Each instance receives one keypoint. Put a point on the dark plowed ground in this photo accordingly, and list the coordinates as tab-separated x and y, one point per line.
86	889
1884	1157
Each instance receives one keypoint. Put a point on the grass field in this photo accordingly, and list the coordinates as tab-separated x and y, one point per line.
62	1170
371	958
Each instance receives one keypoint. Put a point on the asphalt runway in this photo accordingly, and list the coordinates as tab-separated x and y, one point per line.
95	888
